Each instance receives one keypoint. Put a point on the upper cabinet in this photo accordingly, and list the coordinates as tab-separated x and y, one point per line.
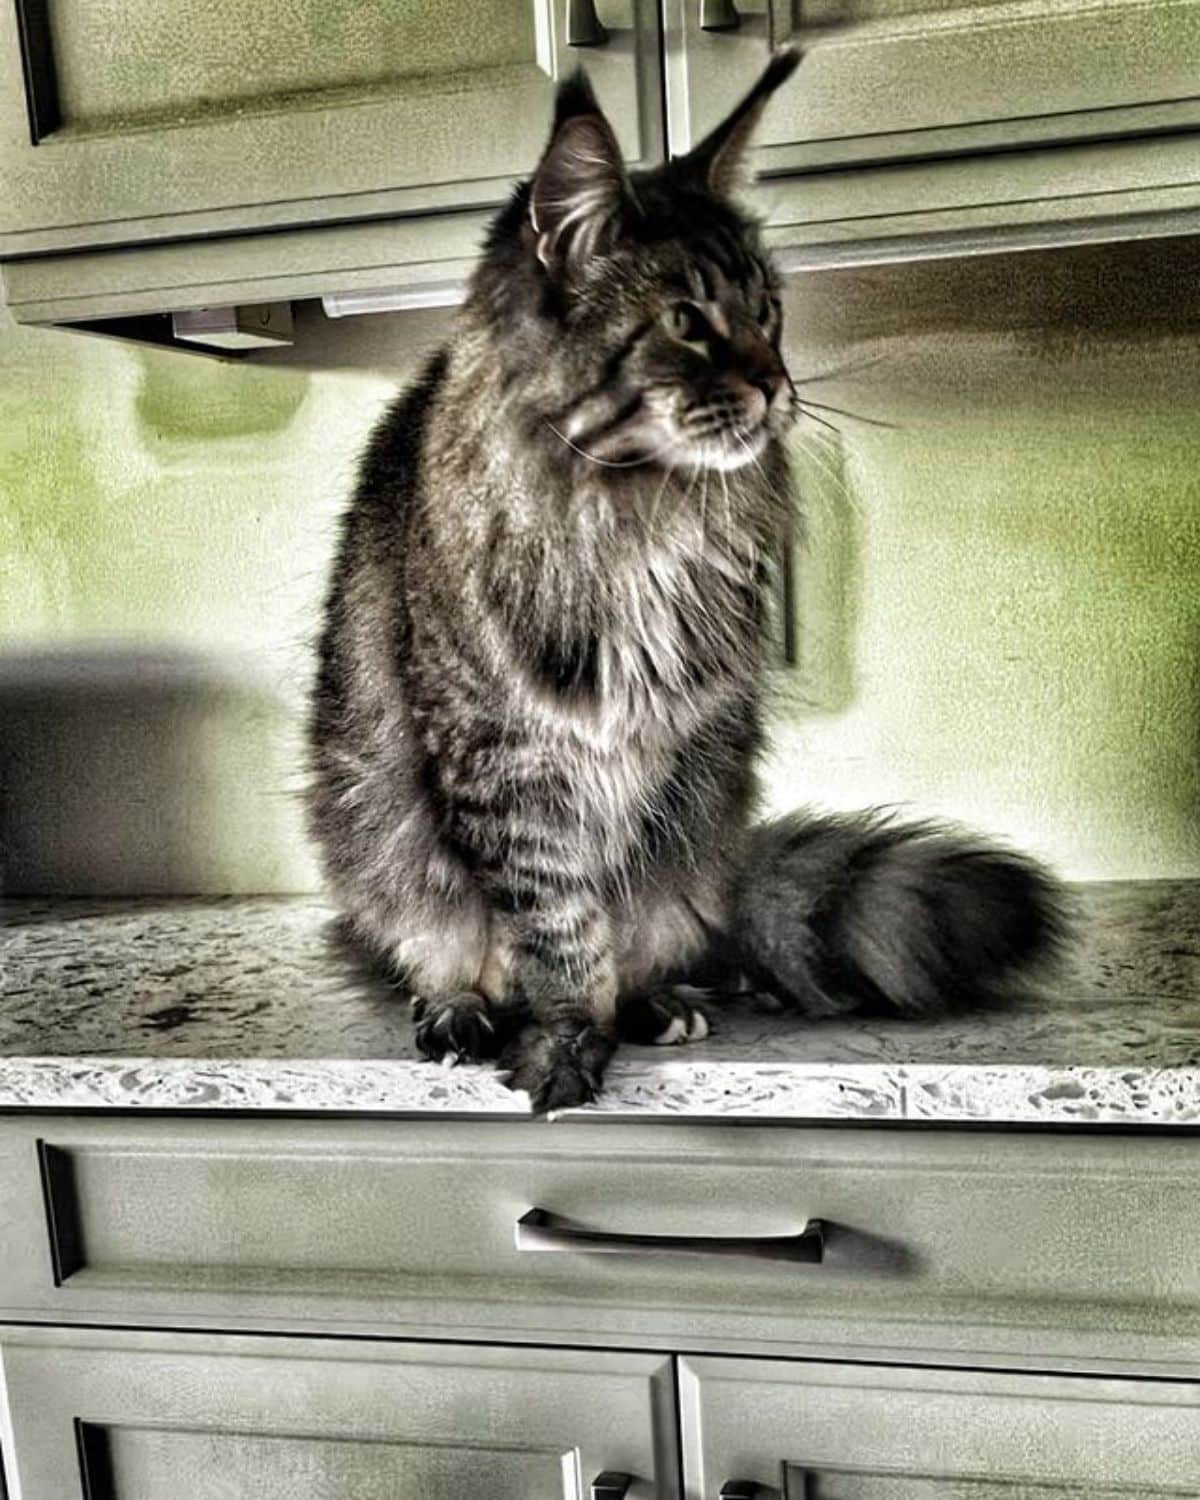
892	80
156	160
130	121
918	127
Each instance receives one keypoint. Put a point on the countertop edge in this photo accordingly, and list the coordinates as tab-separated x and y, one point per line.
928	1093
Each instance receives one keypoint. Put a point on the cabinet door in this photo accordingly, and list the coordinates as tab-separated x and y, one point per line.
134	121
836	1432
122	1416
889	79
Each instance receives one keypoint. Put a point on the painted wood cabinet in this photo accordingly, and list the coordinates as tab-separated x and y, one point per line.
261	1307
920	128
943	1245
136	1416
754	1430
156	159
893	80
128	1416
134	122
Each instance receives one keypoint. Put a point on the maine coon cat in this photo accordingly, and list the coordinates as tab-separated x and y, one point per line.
538	705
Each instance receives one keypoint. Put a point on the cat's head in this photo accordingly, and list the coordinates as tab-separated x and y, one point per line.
639	313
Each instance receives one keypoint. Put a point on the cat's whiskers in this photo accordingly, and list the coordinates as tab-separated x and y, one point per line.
648	529
728	510
682	499
840	411
852	368
820	421
751	456
609	463
753	459
834	476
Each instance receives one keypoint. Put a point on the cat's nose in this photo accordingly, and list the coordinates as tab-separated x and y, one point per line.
769	382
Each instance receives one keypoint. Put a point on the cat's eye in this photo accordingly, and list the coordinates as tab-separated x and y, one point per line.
768	310
684	321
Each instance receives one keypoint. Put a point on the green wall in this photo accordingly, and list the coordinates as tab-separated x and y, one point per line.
164	527
1003	588
1000	616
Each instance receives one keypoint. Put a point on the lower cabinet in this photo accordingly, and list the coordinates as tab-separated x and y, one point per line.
787	1430
391	1336
116	1415
127	1416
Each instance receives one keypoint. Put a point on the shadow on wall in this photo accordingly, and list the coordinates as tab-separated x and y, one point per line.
116	776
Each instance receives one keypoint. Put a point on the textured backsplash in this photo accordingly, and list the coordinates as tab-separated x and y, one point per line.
999	607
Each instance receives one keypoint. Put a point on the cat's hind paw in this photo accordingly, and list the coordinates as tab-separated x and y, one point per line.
558	1069
461	1027
662	1018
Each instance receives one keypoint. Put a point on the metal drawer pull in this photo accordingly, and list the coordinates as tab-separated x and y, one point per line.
611	1486
583	25
540	1230
740	1489
719	15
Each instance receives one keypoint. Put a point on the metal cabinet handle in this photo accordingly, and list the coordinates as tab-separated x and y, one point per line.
611	1486
583	25
541	1230
740	1489
719	15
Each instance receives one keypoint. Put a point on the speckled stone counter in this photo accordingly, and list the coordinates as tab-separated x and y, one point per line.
241	1004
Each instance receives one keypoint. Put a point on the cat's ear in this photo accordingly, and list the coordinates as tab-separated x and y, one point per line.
579	193
718	162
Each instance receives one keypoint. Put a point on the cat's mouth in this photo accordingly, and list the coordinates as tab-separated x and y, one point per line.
729	429
725	449
725	433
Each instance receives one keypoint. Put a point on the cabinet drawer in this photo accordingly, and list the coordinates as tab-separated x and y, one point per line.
1021	1246
99	1414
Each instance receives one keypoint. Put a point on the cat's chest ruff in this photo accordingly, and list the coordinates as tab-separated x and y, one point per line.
672	640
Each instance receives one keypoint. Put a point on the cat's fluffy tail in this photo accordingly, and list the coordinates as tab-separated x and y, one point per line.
857	912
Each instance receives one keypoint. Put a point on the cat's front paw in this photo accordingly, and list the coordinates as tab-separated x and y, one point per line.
460	1027
558	1069
662	1018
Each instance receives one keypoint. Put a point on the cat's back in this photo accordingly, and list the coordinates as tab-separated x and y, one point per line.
365	617
391	471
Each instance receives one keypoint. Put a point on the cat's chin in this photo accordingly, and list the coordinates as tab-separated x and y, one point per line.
722	453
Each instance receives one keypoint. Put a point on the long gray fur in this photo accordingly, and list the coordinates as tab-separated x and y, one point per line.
538	705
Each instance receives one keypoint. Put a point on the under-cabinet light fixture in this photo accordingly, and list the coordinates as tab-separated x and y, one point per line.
395	299
261	326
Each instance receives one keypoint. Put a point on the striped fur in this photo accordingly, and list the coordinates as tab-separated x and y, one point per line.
538	704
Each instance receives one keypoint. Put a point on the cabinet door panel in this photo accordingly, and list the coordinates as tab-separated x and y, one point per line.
136	1463
832	1432
152	122
888	79
124	1416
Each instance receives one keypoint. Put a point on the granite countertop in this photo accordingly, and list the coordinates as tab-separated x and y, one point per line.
247	1004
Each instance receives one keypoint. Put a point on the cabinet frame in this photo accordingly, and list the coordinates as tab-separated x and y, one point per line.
223	174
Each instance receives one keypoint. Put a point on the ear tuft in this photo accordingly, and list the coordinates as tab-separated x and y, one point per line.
579	192
574	96
719	160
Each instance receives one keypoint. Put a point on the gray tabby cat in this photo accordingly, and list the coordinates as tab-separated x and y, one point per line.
538	705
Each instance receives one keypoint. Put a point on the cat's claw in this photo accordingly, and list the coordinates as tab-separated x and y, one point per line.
461	1027
662	1019
558	1070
